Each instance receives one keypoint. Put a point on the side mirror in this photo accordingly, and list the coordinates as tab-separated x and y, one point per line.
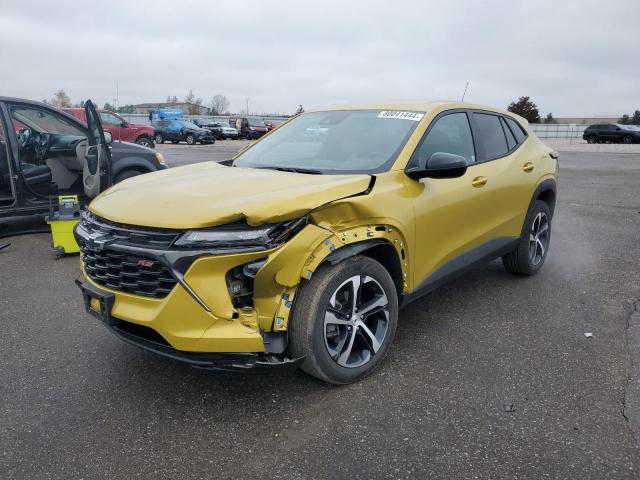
108	137
439	165
124	124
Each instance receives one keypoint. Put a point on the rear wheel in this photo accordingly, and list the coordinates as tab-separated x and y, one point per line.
344	320
191	139
158	138
533	247
145	142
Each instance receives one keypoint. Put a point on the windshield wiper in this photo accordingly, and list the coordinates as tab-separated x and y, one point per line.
290	169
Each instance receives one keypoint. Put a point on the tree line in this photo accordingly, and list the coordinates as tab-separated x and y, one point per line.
219	104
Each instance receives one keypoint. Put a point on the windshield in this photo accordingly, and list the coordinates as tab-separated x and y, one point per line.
191	125
256	122
635	128
352	141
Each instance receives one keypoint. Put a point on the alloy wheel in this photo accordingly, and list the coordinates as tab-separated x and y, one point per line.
356	321
538	238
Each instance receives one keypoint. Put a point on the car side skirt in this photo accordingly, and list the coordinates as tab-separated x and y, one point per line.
457	266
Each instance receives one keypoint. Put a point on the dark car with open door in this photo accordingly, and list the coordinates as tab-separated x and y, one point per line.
45	152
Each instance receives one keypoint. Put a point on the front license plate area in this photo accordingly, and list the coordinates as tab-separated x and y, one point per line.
97	302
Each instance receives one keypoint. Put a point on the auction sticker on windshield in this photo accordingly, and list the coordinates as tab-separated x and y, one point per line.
415	116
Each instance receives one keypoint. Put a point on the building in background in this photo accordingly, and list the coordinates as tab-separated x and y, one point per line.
146	108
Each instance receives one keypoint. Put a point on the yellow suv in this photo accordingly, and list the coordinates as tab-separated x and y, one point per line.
301	250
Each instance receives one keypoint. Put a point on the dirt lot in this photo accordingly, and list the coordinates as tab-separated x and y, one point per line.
76	402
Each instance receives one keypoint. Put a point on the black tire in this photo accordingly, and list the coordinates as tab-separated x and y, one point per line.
127	174
627	139
190	139
158	138
145	142
524	260
591	139
308	335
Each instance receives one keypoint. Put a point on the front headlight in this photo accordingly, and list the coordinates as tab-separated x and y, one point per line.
242	237
161	159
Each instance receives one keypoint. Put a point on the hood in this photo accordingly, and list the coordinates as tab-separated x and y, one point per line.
209	194
118	147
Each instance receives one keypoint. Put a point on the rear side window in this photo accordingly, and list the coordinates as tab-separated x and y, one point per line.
511	140
516	129
450	134
491	136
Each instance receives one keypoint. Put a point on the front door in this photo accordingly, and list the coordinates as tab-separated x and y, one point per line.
7	189
96	175
448	211
113	125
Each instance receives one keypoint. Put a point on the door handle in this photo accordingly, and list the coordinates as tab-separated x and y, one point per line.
479	182
528	167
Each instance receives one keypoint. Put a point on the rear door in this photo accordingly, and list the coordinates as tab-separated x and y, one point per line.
510	167
96	175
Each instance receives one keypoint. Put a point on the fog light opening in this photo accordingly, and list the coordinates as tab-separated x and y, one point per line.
240	283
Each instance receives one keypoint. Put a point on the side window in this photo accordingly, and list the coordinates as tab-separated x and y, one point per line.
43	121
511	141
516	129
491	136
109	119
450	134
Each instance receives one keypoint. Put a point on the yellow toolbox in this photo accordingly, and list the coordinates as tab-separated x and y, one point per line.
62	218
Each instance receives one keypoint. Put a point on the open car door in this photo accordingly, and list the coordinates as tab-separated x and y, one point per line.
96	173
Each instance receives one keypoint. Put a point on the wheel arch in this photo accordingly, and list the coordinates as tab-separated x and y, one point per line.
546	191
378	249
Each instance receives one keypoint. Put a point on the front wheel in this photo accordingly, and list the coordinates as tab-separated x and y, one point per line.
533	247
127	174
158	138
627	139
344	320
145	142
591	139
191	139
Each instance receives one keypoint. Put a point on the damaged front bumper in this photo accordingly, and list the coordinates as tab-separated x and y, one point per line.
99	304
194	319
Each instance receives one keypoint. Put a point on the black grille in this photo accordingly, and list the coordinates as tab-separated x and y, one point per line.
126	271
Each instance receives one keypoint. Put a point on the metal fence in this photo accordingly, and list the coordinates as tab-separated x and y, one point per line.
558	130
143	119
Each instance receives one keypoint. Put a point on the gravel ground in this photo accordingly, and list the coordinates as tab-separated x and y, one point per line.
490	376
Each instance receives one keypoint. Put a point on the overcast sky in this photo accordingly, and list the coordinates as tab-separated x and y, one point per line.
574	58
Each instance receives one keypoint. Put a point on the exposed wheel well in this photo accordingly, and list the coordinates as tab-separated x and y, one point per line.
379	250
388	257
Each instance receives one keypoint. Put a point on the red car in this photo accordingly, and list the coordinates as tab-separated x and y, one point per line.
119	128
